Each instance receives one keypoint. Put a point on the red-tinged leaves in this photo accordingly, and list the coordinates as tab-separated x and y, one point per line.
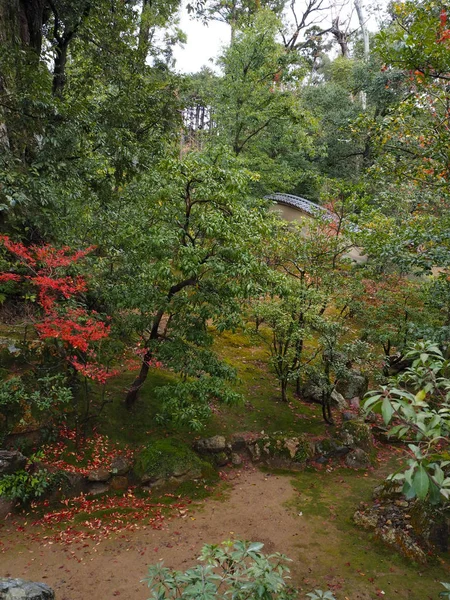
97	451
84	521
4	277
78	329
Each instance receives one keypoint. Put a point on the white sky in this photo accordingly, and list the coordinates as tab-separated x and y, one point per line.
204	42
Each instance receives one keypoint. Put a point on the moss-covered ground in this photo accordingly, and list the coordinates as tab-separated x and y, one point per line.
260	409
350	560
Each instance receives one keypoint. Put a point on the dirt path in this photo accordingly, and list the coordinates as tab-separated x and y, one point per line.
253	510
326	548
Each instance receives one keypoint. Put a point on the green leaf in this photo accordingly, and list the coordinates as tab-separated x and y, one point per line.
387	411
421	395
421	482
255	547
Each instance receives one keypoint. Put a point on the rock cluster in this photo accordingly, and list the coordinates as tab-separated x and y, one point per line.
291	450
413	528
19	589
11	461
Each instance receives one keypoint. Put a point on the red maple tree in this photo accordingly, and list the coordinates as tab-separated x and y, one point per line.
45	269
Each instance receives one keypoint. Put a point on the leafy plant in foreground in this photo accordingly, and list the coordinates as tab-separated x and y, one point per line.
417	405
237	570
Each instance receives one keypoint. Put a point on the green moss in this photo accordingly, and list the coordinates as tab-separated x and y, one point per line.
165	458
305	449
260	389
357	433
327	502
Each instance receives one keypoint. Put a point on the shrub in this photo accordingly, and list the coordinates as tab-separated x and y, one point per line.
23	486
237	570
232	569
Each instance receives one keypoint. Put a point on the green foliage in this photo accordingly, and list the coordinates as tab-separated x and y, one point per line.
258	107
237	569
12	404
319	594
24	486
27	398
417	406
190	402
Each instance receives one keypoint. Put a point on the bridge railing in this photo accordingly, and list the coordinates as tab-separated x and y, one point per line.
308	207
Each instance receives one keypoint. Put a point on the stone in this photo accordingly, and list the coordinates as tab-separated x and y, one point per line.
285	450
19	589
388	490
311	392
338	400
118	482
11	461
365	520
98	488
355	403
354	385
120	466
356	434
101	474
221	459
254	452
348	416
168	460
357	459
329	447
291	446
238	442
180	470
403	543
76	483
212	445
236	459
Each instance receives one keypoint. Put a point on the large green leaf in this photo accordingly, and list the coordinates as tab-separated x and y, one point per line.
387	411
421	482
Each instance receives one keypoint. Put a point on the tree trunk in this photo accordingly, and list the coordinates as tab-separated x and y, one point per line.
365	34
362	24
133	391
326	409
341	37
284	397
59	70
21	23
144	30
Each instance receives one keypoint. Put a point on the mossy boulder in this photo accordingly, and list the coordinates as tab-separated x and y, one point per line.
330	447
357	434
284	449
430	525
354	385
169	460
357	459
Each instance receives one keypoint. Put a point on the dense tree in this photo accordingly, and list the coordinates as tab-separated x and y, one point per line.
180	250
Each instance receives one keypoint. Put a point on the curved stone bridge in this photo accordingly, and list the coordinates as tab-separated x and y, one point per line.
310	209
306	206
